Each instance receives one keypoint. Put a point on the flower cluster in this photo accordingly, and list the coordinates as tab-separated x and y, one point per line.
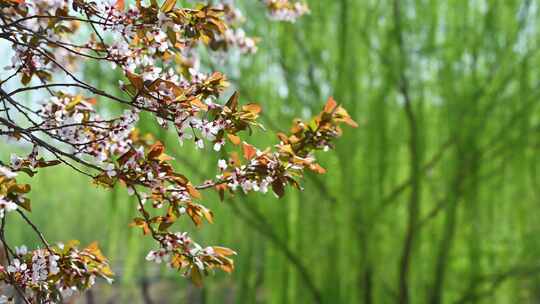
179	252
288	159
52	273
30	58
72	120
285	10
29	63
234	36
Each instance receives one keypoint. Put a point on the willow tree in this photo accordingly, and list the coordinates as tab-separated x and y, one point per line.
156	47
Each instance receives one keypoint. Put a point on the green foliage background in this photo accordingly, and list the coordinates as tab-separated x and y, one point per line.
457	175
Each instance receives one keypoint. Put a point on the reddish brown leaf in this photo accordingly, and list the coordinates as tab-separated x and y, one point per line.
228	267
278	188
43	164
193	192
156	150
136	80
140	222
208	215
221	191
350	122
317	168
234	139
197	102
196	276
233	102
249	151
330	105
252	107
223	251
17	188
120	5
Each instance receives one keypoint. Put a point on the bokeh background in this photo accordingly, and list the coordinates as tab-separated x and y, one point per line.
440	198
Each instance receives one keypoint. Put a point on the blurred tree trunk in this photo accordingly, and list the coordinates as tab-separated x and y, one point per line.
414	160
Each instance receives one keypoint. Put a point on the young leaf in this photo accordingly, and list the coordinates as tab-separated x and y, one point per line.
233	102
330	105
249	151
156	150
120	5
223	251
234	139
278	188
193	192
136	80
196	276
252	107
317	169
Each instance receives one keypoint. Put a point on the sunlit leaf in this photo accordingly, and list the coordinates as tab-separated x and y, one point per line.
330	105
234	139
252	107
317	168
249	151
120	5
193	192
223	251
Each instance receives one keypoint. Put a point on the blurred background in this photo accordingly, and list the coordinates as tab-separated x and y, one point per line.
434	197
